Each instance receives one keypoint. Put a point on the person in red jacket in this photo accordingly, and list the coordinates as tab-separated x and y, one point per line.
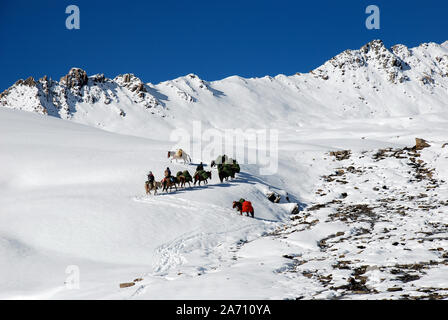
247	207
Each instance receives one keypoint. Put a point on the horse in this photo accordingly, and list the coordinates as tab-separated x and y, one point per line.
239	206
246	206
225	171
179	154
199	177
182	178
187	179
168	184
225	175
152	186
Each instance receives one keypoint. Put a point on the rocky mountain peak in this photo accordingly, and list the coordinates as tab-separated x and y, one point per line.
76	77
61	98
362	79
375	45
30	82
372	57
98	78
130	81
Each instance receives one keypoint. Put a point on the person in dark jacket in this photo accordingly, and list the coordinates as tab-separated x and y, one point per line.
167	172
150	177
200	167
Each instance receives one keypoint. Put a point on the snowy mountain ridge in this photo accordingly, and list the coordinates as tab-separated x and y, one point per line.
361	83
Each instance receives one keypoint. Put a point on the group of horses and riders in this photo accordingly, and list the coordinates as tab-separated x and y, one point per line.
227	168
179	180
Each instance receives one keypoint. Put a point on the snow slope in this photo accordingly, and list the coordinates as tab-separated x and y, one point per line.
73	195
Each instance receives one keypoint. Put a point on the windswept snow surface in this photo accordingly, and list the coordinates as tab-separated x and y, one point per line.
74	195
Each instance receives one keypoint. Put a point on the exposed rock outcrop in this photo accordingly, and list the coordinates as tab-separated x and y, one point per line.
75	78
421	144
60	99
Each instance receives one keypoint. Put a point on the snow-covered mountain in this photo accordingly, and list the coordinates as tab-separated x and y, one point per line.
371	82
373	222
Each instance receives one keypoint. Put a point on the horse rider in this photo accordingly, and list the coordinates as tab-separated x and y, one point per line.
167	173
200	167
150	177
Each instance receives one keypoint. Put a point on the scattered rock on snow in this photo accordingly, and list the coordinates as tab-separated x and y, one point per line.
341	155
127	284
274	197
420	144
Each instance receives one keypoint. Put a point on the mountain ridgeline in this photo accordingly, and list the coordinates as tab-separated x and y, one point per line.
373	81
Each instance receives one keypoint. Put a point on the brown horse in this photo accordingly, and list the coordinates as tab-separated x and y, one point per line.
239	206
152	186
182	181
168	184
199	177
182	178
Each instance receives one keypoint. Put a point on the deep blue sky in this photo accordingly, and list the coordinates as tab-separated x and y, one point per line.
161	40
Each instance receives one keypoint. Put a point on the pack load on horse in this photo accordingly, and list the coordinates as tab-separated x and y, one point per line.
184	177
202	176
187	175
235	166
220	160
244	206
179	154
224	172
247	207
227	170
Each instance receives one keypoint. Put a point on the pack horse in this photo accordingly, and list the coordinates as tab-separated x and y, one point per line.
179	154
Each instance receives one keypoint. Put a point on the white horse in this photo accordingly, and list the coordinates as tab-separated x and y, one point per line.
179	154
